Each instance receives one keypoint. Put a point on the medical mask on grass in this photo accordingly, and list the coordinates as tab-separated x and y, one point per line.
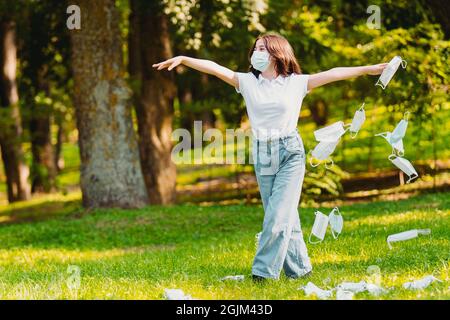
322	151
344	294
336	222
330	133
312	289
407	235
404	165
260	60
358	121
390	70
421	283
355	287
319	227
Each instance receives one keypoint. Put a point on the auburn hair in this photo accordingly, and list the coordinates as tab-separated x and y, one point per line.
281	51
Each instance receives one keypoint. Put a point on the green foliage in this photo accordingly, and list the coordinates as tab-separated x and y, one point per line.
320	181
324	34
44	77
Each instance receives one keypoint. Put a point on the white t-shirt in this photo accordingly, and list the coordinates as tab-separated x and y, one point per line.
273	106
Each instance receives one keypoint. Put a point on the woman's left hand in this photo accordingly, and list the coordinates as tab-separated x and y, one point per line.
376	69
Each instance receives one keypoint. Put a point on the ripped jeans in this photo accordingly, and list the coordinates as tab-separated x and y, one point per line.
280	169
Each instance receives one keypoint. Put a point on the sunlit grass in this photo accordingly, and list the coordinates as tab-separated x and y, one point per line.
402	218
135	254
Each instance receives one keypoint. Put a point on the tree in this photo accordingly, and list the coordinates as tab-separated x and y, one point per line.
16	170
149	42
111	174
40	78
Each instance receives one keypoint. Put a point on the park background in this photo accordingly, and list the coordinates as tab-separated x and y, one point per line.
131	223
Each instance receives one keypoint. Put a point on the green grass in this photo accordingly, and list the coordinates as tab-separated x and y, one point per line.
135	254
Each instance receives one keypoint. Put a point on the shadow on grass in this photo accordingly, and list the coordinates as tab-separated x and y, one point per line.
66	226
32	213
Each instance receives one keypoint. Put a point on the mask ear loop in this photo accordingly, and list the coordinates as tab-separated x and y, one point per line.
406	115
348	125
400	153
334	235
382	134
313	242
311	158
392	156
389	245
412	177
379	83
404	63
331	166
353	134
409	179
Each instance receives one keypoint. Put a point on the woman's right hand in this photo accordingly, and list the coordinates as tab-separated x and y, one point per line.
202	65
170	63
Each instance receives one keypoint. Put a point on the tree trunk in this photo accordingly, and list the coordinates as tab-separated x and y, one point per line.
207	116
441	11
16	170
43	169
371	145
149	43
59	159
187	116
343	163
319	112
111	174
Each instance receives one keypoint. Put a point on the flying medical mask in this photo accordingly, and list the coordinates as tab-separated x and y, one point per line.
395	137
390	70
407	235
331	133
358	120
260	60
398	146
400	130
336	222
319	227
322	151
404	165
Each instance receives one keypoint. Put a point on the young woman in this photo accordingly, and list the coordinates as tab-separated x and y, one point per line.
273	91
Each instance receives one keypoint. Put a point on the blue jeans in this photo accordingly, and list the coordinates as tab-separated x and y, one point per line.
280	169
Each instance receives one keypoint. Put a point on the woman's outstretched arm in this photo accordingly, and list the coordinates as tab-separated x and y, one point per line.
206	66
343	73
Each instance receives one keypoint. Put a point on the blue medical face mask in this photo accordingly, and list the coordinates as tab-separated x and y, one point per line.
260	60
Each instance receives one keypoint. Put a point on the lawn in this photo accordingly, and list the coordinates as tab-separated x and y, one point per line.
135	254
